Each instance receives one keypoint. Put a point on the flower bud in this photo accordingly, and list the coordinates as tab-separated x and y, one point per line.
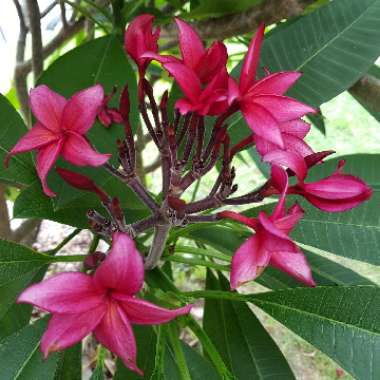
82	182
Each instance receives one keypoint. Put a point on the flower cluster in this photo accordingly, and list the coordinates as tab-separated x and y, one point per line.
105	302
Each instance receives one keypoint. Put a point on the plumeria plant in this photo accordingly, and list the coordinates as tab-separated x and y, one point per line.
129	296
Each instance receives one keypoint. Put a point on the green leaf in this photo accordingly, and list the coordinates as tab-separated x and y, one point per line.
100	61
146	348
32	203
17	260
343	322
70	365
15	316
199	367
21	170
97	374
333	47
20	356
146	339
318	121
242	341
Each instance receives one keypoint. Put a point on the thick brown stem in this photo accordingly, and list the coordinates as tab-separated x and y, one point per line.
35	30
270	11
367	91
20	78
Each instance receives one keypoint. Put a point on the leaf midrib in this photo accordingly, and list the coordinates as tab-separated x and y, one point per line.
313	315
330	42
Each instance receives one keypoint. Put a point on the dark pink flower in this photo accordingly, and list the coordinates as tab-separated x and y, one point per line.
335	193
60	130
104	304
205	63
295	149
263	104
270	245
108	115
201	73
210	100
139	38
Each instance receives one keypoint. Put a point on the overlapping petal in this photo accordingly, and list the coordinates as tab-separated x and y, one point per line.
251	60
213	60
190	44
248	262
143	312
64	330
69	292
81	109
35	138
77	150
123	269
187	80
46	158
262	123
115	332
139	38
283	108
276	84
47	107
288	159
294	264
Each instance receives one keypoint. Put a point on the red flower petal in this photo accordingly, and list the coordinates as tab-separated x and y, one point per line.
64	330
288	159
37	137
78	151
186	79
283	108
48	107
262	123
275	84
248	262
139	38
294	264
115	332
251	60
297	128
146	313
46	158
123	269
213	60
80	111
69	293
190	44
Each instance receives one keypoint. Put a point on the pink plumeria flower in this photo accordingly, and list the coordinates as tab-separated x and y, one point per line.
201	73
139	38
210	100
295	149
262	102
104	304
60	130
270	245
335	193
205	63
